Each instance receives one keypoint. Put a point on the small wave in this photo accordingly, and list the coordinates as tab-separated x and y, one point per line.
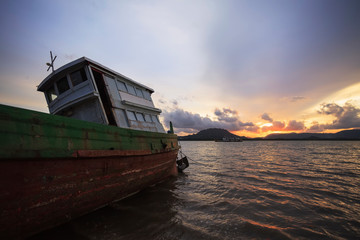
259	230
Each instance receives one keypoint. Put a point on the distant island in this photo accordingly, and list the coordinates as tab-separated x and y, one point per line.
215	134
342	135
211	134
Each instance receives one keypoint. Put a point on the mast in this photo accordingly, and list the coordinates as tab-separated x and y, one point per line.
51	65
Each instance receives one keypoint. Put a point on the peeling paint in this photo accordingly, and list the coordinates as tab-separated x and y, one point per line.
58	177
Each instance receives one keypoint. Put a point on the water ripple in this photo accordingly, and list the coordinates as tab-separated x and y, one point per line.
247	190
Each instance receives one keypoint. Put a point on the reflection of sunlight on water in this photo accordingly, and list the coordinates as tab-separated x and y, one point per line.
284	186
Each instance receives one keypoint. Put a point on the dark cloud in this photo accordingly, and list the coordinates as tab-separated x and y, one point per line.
227	115
295	60
188	122
266	117
316	127
347	116
331	109
294	125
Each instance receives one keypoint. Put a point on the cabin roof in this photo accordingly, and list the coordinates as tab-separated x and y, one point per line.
53	76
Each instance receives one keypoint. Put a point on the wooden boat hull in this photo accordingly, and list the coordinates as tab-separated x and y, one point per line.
43	185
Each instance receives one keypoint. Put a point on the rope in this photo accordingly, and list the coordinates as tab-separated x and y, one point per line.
181	153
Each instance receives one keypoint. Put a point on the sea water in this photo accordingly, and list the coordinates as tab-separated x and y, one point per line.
240	190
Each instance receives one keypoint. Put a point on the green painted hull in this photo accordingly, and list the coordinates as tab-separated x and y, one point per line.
30	134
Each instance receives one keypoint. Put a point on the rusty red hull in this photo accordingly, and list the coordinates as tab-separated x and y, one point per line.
55	168
43	193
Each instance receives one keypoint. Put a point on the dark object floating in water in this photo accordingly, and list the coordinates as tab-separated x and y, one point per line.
182	162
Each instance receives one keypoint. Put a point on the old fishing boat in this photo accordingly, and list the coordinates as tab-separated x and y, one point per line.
102	142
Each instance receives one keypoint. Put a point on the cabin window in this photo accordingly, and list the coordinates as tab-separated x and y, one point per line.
140	117
139	93
155	119
147	118
62	85
147	95
51	94
78	77
131	115
131	89
121	86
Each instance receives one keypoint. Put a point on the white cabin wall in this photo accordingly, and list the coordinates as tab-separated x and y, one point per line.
120	105
75	94
159	126
135	99
117	96
113	91
121	118
83	90
117	107
90	111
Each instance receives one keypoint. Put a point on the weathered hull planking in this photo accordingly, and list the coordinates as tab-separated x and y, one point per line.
54	168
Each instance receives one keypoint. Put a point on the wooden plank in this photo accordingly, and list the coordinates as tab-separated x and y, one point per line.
38	194
29	134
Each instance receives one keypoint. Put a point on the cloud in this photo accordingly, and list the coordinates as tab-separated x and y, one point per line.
316	127
347	116
266	117
293	99
276	126
235	54
188	122
297	98
331	109
175	102
294	125
162	101
227	115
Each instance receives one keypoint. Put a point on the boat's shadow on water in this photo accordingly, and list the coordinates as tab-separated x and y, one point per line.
149	214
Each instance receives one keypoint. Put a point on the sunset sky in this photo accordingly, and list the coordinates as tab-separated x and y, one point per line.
252	67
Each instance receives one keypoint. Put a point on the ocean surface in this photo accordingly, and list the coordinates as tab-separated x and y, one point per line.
241	190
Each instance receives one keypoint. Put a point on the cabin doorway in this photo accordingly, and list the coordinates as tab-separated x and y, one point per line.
104	96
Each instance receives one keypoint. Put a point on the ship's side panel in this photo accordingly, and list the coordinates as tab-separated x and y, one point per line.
30	134
113	91
43	193
130	104
137	100
54	168
90	110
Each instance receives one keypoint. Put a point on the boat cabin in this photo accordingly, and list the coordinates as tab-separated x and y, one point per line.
86	90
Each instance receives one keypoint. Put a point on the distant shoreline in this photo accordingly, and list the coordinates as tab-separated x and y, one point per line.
213	134
253	139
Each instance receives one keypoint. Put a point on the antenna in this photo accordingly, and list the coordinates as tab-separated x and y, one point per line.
51	65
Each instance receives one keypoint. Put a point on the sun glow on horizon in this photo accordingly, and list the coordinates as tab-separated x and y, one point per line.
265	125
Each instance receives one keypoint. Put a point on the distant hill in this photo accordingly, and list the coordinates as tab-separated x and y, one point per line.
342	135
209	135
212	134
